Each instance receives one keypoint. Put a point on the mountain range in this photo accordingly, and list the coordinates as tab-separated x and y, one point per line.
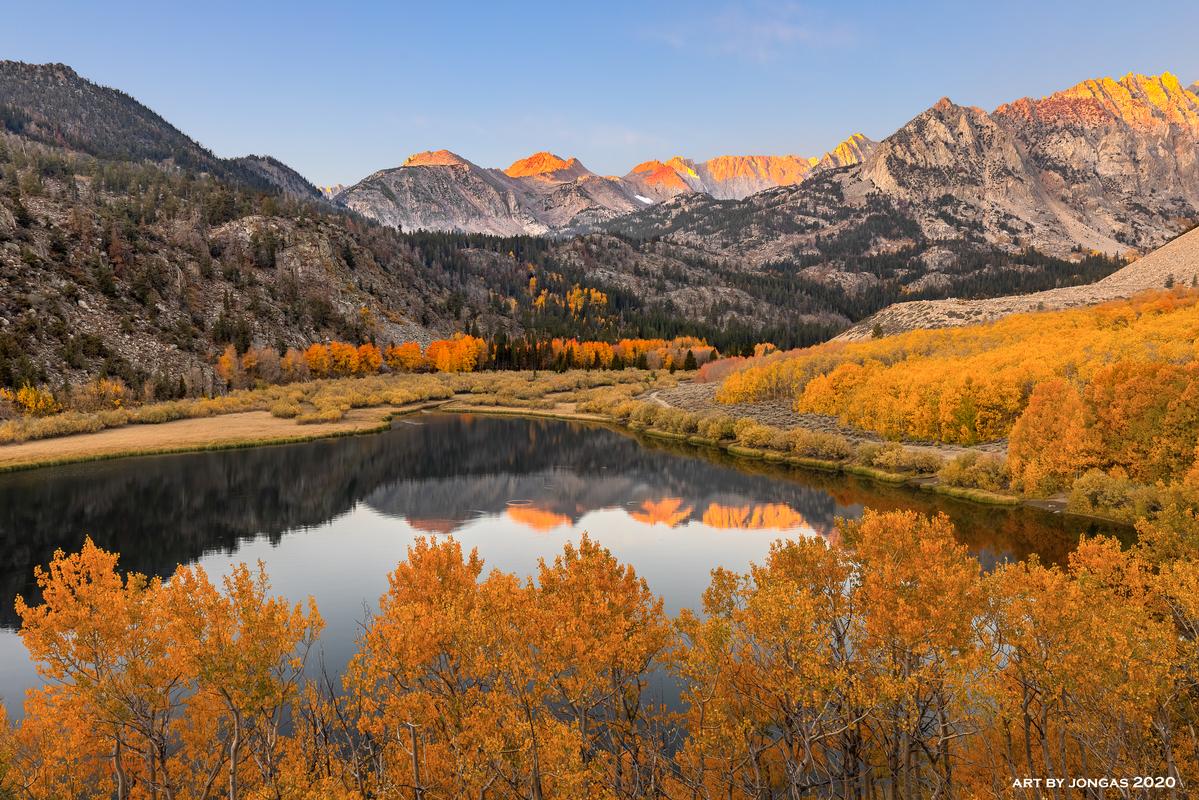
545	194
1105	166
128	248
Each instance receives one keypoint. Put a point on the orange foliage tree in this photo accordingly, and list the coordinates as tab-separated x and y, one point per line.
461	353
318	360
406	357
343	358
1050	444
156	689
822	668
542	683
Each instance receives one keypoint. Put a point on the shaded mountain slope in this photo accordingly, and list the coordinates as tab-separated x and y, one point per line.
1173	264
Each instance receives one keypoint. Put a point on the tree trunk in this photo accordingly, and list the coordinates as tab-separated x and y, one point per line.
418	791
234	754
118	769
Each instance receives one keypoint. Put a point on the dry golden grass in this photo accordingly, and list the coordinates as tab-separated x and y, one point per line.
297	411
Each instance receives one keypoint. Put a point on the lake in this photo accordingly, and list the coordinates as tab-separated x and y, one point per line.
332	518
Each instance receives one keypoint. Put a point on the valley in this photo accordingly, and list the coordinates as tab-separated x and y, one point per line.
870	474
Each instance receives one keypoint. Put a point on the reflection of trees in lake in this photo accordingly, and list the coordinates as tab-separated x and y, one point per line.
161	511
564	471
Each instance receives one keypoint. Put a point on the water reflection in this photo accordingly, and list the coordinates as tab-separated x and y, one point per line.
331	518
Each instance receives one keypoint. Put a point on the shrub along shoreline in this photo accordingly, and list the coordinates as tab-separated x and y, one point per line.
889	463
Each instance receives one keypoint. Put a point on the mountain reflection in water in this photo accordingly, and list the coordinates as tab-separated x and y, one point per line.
331	518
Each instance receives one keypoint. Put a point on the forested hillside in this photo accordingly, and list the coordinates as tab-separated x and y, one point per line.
51	104
128	250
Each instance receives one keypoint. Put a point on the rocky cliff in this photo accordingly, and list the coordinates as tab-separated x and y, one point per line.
283	177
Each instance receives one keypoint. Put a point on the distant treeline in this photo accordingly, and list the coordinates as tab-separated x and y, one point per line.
460	353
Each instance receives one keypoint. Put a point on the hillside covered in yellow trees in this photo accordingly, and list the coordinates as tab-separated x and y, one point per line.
1112	388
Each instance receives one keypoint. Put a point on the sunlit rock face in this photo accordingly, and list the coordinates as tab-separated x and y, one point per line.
442	191
1105	165
738	177
549	166
1122	157
723	177
854	150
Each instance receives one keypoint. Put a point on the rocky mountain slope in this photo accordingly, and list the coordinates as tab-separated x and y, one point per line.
1173	264
51	104
441	191
275	173
548	195
1104	166
143	256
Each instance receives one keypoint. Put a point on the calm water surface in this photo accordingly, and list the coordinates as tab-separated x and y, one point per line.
331	518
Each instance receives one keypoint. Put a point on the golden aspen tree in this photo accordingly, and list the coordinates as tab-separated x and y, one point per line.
370	359
293	366
343	358
1050	444
770	678
406	357
600	633
248	651
229	367
317	357
1085	666
919	594
102	644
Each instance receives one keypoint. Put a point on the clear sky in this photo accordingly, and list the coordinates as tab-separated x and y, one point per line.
338	92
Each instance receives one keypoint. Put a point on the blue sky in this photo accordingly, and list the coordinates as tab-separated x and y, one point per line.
340	92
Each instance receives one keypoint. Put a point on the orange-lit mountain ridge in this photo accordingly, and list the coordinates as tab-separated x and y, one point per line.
723	177
545	193
1106	165
547	164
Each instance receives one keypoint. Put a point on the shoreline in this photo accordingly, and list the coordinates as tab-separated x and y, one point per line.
264	430
241	429
910	482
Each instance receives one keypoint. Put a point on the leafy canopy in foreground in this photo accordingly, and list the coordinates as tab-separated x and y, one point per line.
882	664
